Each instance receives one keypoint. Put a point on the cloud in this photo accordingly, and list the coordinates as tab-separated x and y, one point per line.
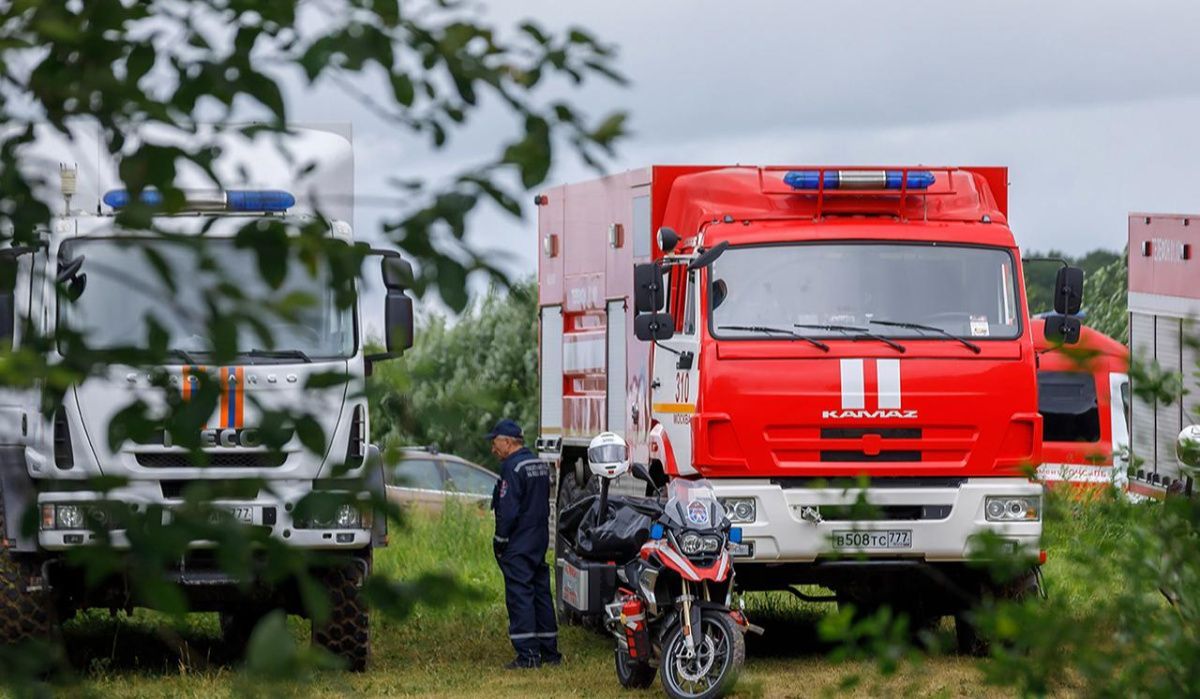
1095	114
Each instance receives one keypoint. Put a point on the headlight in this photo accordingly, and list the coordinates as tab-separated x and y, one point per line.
739	510
691	544
712	544
1013	509
347	517
69	517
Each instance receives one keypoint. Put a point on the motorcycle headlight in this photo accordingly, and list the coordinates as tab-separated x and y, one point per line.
712	544
1013	509
691	544
740	510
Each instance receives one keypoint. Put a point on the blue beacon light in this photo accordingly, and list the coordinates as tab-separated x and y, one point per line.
858	179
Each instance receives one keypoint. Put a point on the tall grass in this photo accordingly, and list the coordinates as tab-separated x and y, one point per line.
458	651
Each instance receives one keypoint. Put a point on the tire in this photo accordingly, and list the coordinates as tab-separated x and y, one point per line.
347	632
970	638
24	615
728	647
632	674
236	627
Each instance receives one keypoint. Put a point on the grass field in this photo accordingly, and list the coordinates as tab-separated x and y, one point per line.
458	651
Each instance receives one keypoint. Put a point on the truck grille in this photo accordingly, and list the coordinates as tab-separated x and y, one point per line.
807	446
231	460
852	455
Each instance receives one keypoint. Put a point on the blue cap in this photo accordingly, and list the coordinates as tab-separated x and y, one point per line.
506	428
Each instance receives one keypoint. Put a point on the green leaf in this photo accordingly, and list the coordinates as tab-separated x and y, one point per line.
311	435
402	89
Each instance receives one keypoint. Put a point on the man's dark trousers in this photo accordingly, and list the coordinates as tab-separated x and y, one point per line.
522	504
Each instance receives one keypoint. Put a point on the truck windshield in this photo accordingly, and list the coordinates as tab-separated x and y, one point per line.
124	287
954	291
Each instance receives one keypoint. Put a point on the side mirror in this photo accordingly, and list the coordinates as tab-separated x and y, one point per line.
652	327
1187	447
719	291
398	322
1068	290
1062	330
640	472
648	294
709	256
397	274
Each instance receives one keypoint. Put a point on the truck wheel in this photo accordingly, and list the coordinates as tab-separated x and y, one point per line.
24	615
236	627
971	640
347	632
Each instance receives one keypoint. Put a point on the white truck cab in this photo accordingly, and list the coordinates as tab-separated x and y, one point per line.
65	464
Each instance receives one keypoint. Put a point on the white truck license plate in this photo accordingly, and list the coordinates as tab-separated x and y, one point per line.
245	514
881	539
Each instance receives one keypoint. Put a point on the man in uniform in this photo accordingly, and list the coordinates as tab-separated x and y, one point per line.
521	500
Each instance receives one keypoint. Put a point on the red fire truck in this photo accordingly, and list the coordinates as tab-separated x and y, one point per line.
790	333
1084	399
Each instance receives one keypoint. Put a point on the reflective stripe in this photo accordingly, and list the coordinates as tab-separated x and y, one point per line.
887	372
501	539
552	634
853	394
520	636
528	462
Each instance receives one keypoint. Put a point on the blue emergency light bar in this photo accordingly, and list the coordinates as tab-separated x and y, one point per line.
234	200
119	198
858	179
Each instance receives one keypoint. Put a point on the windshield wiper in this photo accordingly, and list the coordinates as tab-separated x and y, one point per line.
781	331
185	355
917	326
859	334
280	354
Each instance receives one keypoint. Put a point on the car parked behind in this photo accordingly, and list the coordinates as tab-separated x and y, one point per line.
423	476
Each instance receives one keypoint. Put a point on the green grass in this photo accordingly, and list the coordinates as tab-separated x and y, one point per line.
458	651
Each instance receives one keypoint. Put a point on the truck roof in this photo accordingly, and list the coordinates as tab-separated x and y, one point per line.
207	224
692	196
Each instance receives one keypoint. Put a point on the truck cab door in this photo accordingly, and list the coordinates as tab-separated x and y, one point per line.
676	376
1118	408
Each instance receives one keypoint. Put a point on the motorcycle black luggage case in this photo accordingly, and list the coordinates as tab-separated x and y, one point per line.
585	586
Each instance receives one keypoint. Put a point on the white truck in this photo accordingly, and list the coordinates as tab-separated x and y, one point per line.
56	448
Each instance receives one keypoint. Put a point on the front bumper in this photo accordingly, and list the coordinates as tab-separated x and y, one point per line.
143	495
781	533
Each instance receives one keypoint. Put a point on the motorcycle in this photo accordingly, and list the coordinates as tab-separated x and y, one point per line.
664	565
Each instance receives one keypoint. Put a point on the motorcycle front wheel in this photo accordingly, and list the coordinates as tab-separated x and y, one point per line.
712	668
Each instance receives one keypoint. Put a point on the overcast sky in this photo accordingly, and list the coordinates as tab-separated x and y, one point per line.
1094	106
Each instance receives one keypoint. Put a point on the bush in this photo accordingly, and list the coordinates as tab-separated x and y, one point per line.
462	376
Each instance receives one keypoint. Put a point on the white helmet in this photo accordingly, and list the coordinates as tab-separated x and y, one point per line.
608	455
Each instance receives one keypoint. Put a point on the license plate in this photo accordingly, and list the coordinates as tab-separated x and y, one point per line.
744	550
245	515
880	539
